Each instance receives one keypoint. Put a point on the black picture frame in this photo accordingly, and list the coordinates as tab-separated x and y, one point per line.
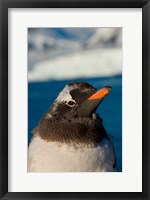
4	6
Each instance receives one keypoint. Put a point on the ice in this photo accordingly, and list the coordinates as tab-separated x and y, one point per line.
89	63
70	53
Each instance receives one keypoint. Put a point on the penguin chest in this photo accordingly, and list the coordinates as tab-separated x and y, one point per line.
46	156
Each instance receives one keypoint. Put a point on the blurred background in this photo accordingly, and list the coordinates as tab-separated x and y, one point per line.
57	56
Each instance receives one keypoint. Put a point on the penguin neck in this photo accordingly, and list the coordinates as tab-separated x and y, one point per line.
81	130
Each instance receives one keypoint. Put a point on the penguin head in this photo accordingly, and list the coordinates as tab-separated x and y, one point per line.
72	117
77	99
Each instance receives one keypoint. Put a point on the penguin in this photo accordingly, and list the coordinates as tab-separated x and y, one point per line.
70	137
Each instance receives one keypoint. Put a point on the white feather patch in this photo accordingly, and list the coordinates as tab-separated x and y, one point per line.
67	98
46	156
48	116
65	93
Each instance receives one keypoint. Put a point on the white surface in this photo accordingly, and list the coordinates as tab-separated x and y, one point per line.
89	63
130	180
52	57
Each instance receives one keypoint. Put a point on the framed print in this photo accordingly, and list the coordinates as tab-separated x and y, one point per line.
74	99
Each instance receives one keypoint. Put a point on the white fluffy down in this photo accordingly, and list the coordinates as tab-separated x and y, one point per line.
46	156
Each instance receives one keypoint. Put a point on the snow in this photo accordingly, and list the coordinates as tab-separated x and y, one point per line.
90	63
69	53
106	36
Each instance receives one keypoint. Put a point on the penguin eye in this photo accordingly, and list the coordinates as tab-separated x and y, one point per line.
71	103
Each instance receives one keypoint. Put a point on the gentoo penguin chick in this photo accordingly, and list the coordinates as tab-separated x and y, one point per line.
70	137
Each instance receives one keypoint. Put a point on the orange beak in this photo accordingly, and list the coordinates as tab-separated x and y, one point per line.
100	93
90	105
